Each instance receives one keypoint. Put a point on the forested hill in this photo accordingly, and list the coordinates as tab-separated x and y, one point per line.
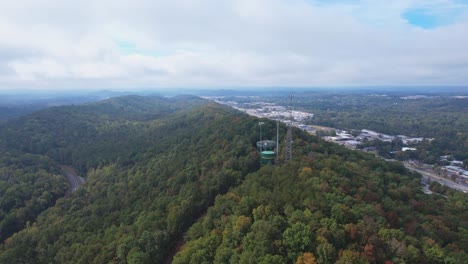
89	134
330	205
153	166
84	136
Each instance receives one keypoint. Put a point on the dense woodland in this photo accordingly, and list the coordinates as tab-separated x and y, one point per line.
29	184
330	205
152	166
165	171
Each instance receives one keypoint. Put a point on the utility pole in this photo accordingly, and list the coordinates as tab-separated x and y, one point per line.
289	134
260	124
277	141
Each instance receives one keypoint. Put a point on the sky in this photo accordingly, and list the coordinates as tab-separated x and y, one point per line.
134	44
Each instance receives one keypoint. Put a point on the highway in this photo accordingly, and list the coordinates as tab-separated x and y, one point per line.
434	177
73	179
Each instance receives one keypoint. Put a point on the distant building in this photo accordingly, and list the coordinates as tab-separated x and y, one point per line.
408	149
352	143
454	169
456	163
370	132
409	140
446	157
369	149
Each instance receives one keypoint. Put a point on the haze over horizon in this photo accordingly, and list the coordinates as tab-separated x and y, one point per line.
123	45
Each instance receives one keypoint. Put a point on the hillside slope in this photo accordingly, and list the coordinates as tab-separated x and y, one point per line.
29	184
330	205
150	173
83	136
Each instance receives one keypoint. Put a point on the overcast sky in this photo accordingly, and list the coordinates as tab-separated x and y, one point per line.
112	44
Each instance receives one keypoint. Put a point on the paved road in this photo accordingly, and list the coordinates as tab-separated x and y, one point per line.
435	177
74	180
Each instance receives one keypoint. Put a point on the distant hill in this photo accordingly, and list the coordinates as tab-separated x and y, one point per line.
60	132
16	104
161	172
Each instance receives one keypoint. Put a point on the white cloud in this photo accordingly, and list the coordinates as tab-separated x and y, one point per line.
195	43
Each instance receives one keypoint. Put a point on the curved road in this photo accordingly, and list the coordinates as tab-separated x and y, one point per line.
74	180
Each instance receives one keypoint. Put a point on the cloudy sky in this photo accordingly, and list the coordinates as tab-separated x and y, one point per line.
112	44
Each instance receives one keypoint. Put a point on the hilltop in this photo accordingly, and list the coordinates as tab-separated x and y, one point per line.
159	170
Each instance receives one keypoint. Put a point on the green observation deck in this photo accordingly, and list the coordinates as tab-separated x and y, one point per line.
268	157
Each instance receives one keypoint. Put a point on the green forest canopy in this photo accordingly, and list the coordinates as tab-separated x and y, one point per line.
155	165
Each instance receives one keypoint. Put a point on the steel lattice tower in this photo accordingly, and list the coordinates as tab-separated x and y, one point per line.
289	134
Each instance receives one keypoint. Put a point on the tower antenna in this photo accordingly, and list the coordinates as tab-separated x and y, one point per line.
260	124
277	141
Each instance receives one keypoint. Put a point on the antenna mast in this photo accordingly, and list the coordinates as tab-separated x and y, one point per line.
289	134
260	124
277	141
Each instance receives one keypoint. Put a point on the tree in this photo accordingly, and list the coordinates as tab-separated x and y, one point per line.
306	258
297	238
325	253
351	257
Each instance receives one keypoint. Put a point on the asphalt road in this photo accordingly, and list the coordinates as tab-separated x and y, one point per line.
74	180
441	180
